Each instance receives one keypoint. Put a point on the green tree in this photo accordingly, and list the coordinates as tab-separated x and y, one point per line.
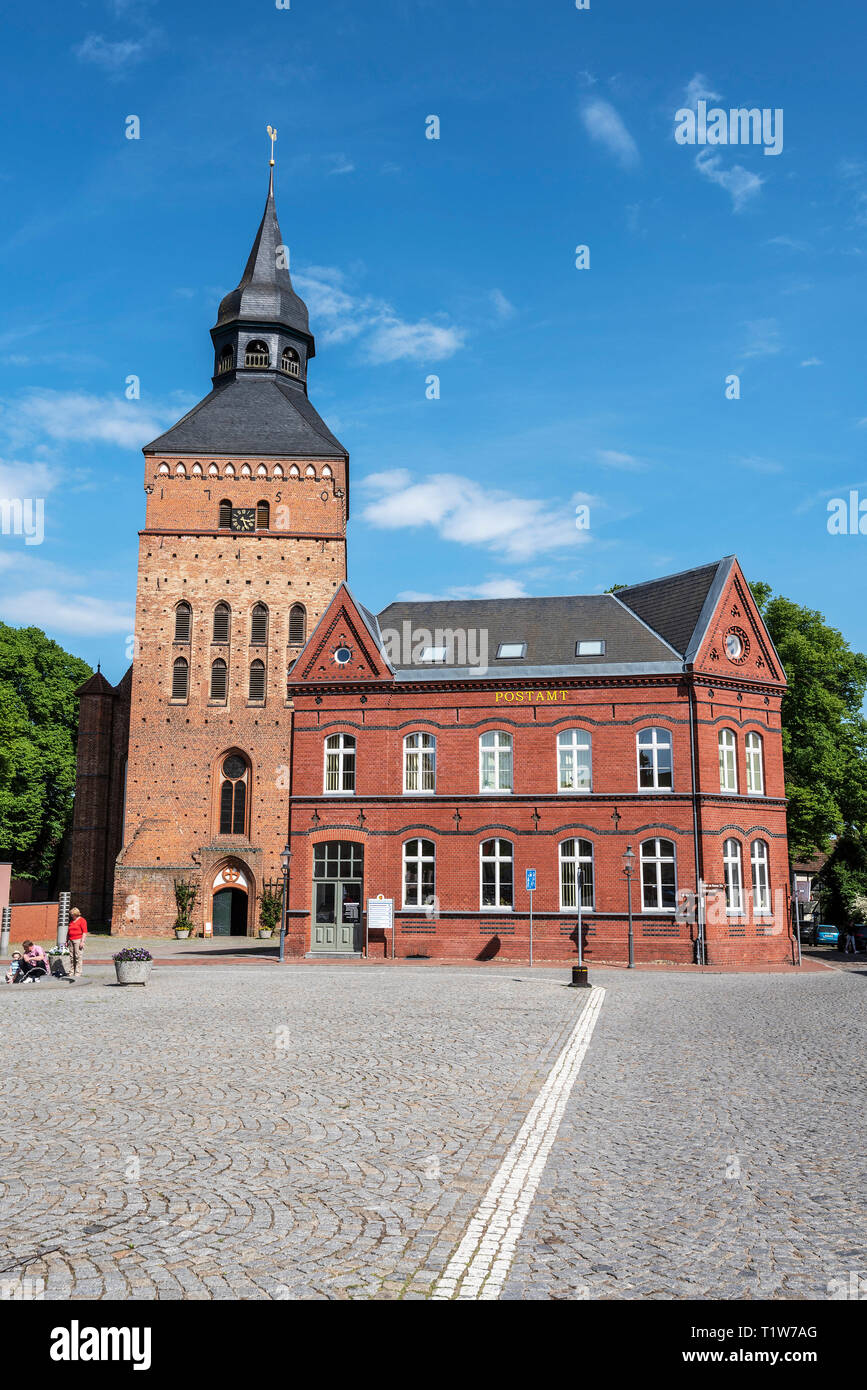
824	729
38	727
842	885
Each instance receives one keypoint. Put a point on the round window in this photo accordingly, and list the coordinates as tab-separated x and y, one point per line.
342	656
234	767
737	645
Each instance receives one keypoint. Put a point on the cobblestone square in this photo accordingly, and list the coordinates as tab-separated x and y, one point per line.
330	1132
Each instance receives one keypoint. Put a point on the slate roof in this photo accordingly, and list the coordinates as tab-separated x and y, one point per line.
265	290
551	628
262	415
675	605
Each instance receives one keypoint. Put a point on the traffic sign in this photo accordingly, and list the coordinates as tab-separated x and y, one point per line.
531	880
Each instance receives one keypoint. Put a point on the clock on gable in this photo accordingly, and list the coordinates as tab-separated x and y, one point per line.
243	518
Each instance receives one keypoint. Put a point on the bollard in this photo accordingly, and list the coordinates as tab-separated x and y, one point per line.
5	928
63	918
579	977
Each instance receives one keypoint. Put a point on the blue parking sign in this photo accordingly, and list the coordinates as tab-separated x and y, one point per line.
531	880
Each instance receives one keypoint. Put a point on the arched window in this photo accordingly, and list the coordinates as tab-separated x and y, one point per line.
261	471
227	359
297	625
755	765
734	876
419	872
278	471
326	472
230	470
310	471
183	622
213	471
654	759
576	874
419	763
180	678
164	470
761	877
180	470
728	761
197	470
259	626
222	620
257	680
658	876
290	362
295	471
257	354
225	520
234	779
574	748
246	470
495	762
263	516
340	763
497	889
219	680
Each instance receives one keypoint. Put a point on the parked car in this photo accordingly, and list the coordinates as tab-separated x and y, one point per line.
826	935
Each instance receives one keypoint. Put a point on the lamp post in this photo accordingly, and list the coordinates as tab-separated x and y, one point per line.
579	971
285	857
628	869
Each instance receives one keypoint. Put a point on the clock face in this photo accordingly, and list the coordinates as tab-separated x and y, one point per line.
737	645
243	518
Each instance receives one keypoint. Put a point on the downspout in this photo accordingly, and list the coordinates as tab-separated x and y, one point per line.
696	827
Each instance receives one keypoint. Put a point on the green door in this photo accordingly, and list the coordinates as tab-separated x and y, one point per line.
223	912
338	867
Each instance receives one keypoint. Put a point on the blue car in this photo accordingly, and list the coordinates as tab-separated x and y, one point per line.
827	935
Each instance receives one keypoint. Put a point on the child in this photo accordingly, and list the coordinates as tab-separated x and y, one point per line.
14	967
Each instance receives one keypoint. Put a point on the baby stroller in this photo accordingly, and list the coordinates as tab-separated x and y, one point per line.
30	974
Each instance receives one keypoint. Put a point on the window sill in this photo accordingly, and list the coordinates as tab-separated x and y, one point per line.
483	908
408	793
575	791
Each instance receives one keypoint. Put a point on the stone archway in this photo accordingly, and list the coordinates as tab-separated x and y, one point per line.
231	900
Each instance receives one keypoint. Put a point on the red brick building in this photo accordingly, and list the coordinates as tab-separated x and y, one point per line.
432	753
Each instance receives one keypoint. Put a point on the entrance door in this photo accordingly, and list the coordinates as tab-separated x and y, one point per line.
338	880
230	912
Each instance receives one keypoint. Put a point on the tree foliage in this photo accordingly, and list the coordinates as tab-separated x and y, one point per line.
824	729
38	727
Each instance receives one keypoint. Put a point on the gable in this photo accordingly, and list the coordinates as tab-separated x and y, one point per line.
736	614
343	625
673	606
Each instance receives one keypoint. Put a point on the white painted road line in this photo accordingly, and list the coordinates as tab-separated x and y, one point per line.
481	1262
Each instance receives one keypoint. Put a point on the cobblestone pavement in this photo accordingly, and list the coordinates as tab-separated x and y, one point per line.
256	1132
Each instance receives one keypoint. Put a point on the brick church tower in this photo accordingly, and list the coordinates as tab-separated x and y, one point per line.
243	546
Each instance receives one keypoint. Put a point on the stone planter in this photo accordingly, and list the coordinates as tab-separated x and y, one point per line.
133	972
265	933
182	934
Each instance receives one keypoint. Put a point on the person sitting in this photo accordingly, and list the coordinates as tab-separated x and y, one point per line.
14	968
33	965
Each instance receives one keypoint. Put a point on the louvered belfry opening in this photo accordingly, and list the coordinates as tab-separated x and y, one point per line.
222	615
263	516
259	626
257	680
183	622
180	679
225	514
219	679
297	625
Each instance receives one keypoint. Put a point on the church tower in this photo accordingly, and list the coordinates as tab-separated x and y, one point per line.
243	546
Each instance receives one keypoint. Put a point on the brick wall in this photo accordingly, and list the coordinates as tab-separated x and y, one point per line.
34	921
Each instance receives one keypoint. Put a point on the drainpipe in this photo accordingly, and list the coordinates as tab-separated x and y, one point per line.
701	952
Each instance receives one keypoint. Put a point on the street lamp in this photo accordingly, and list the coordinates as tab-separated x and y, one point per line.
285	857
579	971
628	869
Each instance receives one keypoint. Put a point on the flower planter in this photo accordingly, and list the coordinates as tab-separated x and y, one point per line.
265	933
133	972
180	934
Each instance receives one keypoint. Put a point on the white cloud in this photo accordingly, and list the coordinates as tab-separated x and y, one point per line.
605	126
113	58
72	415
812	362
340	164
763	338
462	510
698	89
498	586
757	464
20	479
614	458
504	308
738	182
62	611
790	242
386	337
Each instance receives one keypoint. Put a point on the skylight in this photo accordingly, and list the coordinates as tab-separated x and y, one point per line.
590	646
432	654
511	651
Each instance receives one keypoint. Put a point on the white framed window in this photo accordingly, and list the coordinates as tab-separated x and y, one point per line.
432	654
497	877
755	765
734	876
511	651
339	763
495	762
576	874
419	763
419	872
574	760
658	876
728	761
590	646
654	760
761	877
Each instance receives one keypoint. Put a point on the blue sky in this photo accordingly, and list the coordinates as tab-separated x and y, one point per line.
453	257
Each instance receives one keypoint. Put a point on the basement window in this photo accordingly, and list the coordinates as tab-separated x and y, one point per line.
591	646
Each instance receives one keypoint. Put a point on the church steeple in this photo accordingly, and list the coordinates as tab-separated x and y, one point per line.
262	324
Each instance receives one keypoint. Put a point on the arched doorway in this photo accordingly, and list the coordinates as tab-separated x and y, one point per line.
338	883
231	902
